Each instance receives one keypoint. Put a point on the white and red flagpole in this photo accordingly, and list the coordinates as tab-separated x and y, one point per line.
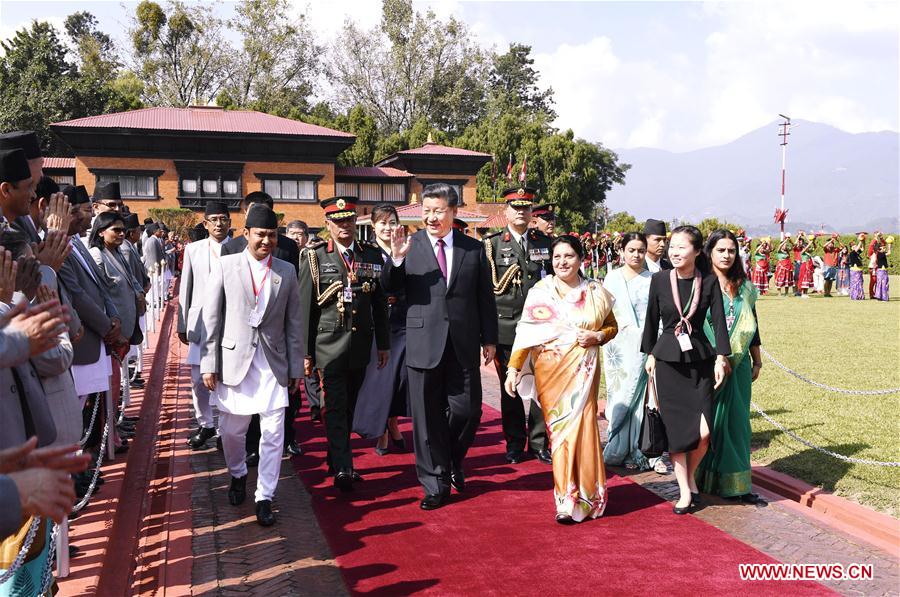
785	132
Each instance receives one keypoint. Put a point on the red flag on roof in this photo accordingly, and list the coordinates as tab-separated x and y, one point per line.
524	169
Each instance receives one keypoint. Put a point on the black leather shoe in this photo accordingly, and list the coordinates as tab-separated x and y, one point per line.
458	481
198	442
544	456
137	384
434	501
695	499
74	551
356	477
754	499
400	444
315	413
131	419
564	519
237	492
123	448
252	459
515	457
683	510
344	481
264	514
293	448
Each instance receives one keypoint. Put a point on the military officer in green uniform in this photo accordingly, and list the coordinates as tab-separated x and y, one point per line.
340	290
518	256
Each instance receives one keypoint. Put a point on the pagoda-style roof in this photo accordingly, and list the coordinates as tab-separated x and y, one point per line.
433	158
202	132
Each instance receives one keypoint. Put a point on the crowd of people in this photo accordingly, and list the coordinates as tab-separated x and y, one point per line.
75	271
392	327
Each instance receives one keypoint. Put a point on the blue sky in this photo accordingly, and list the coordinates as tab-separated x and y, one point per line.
673	75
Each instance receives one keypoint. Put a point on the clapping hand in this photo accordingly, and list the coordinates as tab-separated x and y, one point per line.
399	243
8	269
28	276
60	458
53	250
41	323
58	214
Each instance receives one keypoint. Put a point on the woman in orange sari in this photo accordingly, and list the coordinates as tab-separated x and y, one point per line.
556	361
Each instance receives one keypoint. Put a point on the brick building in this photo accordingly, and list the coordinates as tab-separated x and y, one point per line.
184	157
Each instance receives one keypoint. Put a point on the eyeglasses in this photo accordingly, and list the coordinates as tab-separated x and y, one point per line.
219	220
438	213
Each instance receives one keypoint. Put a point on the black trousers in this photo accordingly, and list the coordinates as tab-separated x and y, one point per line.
446	410
339	392
313	389
517	426
290	413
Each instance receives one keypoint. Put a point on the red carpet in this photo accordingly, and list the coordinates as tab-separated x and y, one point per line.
500	537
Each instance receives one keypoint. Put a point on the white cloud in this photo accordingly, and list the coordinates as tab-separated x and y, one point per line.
830	62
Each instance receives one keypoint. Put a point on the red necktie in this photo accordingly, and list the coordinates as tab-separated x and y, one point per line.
442	257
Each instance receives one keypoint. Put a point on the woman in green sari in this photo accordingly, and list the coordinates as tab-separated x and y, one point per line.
725	470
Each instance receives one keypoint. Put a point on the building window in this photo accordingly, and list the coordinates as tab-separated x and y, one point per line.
374	192
63	179
200	182
133	184
291	188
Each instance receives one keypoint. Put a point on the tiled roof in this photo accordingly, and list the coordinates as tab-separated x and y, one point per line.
203	119
498	220
435	149
57	163
371	172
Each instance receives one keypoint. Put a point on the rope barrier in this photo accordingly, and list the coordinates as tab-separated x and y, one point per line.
825	451
20	558
47	574
822	386
90	427
93	485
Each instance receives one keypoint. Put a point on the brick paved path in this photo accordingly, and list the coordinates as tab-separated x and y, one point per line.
233	555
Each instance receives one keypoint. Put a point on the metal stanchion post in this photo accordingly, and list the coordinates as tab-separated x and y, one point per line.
126	383
110	423
62	549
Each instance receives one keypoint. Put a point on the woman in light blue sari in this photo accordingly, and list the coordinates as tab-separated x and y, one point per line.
626	379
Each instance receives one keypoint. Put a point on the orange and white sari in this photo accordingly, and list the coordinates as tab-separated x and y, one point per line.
564	379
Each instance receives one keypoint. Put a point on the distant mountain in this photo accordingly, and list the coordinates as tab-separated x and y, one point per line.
836	180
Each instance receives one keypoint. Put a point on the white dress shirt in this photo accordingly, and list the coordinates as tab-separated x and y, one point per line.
652	266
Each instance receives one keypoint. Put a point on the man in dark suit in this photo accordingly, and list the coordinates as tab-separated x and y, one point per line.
286	250
28	142
451	312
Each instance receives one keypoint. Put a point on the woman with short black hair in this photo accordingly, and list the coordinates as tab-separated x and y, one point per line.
681	361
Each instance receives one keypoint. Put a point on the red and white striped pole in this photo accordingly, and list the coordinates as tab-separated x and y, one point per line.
785	132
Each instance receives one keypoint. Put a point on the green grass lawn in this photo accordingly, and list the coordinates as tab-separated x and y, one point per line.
840	343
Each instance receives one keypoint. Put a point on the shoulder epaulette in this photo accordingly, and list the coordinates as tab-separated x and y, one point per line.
491	235
315	244
534	234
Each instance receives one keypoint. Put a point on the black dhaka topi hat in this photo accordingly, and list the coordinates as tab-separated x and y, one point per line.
261	216
13	166
27	141
655	227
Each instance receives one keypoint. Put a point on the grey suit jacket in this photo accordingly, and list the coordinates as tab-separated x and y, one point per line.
154	252
26	225
18	404
54	370
193	288
136	264
231	341
88	290
121	286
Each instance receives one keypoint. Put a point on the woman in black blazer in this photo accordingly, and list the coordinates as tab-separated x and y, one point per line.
686	366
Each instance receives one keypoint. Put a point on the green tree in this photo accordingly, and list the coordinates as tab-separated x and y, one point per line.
277	60
181	53
410	67
39	84
513	83
622	221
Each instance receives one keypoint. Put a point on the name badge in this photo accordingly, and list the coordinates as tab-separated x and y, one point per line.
254	319
348	294
684	341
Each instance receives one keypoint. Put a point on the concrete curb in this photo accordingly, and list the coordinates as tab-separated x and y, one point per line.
880	530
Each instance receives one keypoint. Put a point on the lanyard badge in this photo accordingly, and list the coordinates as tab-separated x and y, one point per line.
255	317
